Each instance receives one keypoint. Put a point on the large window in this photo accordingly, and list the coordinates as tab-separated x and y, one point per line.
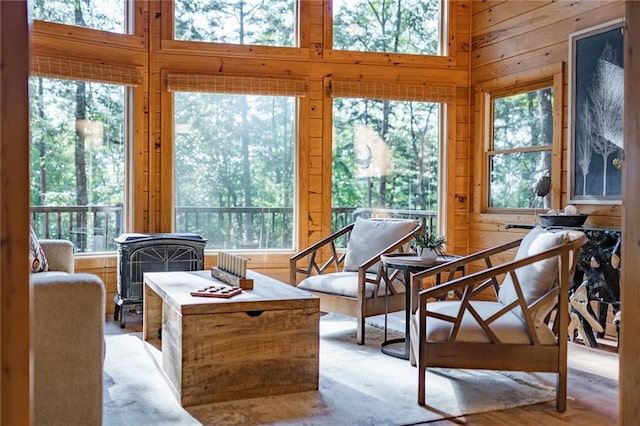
233	169
520	148
391	26
259	22
77	161
105	15
386	157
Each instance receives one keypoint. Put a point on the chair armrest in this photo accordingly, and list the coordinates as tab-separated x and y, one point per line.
484	255
323	242
311	252
59	254
485	277
68	348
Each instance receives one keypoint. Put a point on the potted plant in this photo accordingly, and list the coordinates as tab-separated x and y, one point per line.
429	245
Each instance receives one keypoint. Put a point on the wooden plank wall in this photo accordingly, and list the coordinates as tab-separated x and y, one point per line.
511	37
153	50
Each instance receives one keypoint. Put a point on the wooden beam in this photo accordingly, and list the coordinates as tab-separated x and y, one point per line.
15	382
629	385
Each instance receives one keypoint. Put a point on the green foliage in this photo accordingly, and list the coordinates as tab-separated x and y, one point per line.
105	15
238	151
520	121
429	240
399	26
260	22
54	165
211	168
407	132
68	169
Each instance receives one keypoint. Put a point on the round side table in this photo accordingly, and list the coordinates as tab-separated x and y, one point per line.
409	264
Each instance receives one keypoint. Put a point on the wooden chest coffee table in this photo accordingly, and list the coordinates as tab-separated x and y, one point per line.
258	343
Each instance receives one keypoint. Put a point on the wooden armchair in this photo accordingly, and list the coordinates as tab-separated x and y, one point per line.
519	325
350	282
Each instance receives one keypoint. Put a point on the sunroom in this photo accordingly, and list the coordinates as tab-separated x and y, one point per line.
264	126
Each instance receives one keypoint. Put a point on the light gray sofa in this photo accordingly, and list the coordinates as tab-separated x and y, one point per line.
68	341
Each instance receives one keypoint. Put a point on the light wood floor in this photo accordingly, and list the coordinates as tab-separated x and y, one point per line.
592	394
592	389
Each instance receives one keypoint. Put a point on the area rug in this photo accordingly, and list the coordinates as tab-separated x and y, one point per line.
358	386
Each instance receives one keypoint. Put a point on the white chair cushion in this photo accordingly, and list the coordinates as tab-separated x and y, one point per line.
369	237
535	279
343	284
509	328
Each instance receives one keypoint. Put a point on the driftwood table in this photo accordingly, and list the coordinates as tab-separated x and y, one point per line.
596	282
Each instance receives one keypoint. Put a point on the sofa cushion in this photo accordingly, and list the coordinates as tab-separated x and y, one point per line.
369	237
37	259
537	278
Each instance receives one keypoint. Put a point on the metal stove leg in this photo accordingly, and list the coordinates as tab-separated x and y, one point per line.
124	312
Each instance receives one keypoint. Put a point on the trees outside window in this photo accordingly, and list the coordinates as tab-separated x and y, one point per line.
105	15
233	169
258	22
398	26
77	161
386	155
520	148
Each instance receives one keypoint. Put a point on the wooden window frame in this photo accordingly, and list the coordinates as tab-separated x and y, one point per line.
169	44
443	94
111	58
128	77
548	76
444	58
129	21
236	84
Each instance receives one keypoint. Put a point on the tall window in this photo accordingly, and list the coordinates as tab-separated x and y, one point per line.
392	26
105	15
519	119
233	169
386	156
259	22
77	161
520	148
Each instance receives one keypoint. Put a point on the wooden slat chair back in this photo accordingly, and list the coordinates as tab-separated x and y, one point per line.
519	324
350	281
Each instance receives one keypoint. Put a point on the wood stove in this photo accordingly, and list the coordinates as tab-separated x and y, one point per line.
140	253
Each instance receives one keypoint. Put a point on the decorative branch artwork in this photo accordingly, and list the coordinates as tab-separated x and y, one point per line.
596	118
